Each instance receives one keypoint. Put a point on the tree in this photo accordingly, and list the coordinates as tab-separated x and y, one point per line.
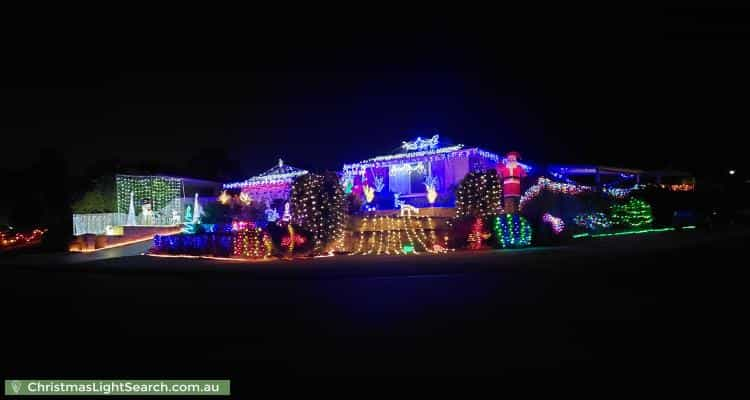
478	194
55	213
216	213
318	206
100	199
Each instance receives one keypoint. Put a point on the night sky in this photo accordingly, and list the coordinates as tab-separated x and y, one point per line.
648	89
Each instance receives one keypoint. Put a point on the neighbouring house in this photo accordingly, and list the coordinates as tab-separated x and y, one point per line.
274	184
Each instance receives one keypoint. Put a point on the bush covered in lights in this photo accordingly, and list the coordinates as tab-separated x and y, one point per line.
251	243
200	244
592	221
479	194
551	230
248	242
564	204
318	206
497	230
634	213
512	231
552	208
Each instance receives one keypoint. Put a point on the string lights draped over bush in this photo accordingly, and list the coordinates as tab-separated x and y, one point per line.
512	230
557	187
318	206
11	239
478	194
203	244
557	224
594	221
251	243
635	213
618	193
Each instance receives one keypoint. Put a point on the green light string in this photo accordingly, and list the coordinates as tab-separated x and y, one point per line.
160	190
625	233
635	213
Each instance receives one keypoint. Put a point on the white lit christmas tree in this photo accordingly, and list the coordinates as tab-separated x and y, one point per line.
131	211
318	205
479	194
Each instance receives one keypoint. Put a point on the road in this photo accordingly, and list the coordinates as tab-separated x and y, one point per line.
636	307
76	257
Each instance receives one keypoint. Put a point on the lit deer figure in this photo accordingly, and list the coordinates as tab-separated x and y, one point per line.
408	209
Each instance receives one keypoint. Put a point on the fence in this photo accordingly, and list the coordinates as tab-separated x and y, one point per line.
96	223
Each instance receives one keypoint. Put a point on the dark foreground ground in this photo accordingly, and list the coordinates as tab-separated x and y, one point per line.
647	306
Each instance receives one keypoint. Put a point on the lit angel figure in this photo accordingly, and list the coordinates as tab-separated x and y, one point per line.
369	192
408	209
245	198
379	184
431	184
224	197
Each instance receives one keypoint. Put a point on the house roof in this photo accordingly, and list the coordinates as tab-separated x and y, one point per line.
419	156
593	169
280	173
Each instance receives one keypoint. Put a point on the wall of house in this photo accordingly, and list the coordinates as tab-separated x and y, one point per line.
261	193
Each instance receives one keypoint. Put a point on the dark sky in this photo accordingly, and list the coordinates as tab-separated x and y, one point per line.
644	89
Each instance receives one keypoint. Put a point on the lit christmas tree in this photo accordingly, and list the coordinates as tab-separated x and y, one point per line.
479	194
131	211
635	213
189	225
318	206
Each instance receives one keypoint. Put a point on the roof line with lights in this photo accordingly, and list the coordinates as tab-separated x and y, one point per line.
280	174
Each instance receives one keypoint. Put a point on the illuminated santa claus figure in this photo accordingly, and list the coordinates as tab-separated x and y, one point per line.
511	172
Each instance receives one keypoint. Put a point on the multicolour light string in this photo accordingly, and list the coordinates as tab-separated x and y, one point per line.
593	221
556	187
557	224
9	239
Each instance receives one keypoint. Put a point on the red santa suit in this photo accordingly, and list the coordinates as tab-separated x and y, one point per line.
511	174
